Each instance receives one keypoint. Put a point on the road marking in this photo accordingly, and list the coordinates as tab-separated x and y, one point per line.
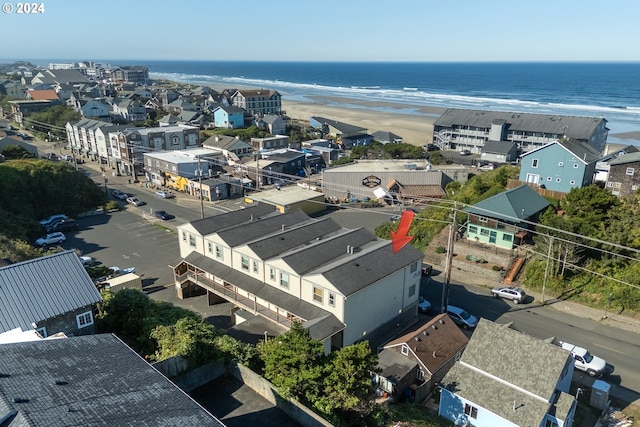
609	348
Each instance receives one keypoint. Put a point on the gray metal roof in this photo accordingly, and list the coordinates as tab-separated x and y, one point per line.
93	380
260	227
512	205
340	126
225	142
220	222
626	158
499	147
572	126
519	362
41	288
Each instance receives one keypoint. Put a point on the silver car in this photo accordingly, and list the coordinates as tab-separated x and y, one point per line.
517	295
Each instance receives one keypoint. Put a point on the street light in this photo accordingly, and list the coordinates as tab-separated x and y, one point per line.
106	191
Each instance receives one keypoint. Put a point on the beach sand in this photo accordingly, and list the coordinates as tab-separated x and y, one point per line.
415	129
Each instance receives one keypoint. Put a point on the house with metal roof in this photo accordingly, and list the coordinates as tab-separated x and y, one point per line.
560	165
89	381
461	129
414	363
343	285
504	219
624	175
50	294
507	378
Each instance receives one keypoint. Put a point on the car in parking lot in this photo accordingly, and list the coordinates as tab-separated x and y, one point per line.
52	219
423	305
515	294
119	194
461	317
465	152
65	224
164	195
51	239
135	201
427	269
164	215
486	167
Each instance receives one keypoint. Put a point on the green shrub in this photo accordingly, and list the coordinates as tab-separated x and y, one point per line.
440	250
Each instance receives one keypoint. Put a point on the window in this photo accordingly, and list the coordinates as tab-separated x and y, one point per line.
630	171
405	349
318	295
482	219
534	163
85	319
609	184
420	375
284	280
575	166
184	236
192	240
473	229
471	411
43	332
272	274
210	247
560	164
507	237
244	261
572	182
414	267
332	299
550	423
557	179
484	232
255	266
634	187
548	178
219	252
412	290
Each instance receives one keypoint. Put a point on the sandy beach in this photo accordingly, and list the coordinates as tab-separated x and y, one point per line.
415	129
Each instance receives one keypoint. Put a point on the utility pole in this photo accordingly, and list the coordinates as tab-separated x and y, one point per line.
200	184
546	270
449	260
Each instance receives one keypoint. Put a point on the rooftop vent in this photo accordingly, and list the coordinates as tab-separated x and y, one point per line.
20	400
60	382
434	327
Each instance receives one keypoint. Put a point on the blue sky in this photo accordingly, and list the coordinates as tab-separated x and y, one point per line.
327	30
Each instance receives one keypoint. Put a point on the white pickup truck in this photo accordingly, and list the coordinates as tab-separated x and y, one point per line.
585	361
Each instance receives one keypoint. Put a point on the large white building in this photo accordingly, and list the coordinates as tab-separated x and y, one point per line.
343	285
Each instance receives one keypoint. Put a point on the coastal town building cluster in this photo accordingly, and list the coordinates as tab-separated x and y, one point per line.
273	260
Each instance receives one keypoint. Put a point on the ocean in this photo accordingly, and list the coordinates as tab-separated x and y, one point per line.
609	90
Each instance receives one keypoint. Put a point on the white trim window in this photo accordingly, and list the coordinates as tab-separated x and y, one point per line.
630	171
284	279
534	163
85	319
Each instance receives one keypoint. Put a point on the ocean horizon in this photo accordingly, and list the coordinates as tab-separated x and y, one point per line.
591	89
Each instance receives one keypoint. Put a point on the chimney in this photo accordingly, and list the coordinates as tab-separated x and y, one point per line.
348	248
282	227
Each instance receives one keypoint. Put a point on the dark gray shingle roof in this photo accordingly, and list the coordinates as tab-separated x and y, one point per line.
105	383
220	222
581	150
41	288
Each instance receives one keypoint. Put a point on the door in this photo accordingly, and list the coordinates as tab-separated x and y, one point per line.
533	178
492	236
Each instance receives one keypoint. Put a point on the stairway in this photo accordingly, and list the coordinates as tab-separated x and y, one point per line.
513	271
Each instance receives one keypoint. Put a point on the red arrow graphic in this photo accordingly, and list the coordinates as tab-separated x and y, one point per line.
399	238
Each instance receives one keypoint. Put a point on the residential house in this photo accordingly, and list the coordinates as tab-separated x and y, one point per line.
504	219
132	74
342	285
414	363
624	175
50	294
346	135
500	152
233	148
560	165
275	166
89	380
95	109
228	117
287	198
386	137
131	110
169	120
42	95
55	77
507	378
276	142
460	129
258	102
272	123
23	108
82	137
14	90
166	97
611	152
181	104
180	169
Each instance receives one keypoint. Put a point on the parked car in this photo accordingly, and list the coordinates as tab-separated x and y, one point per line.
53	218
427	269
164	195
51	239
66	224
513	293
135	201
465	152
164	215
88	261
587	362
25	136
487	167
119	194
461	318
394	218
423	305
118	271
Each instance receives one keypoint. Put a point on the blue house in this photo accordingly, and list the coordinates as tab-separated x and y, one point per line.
228	117
560	165
507	378
500	220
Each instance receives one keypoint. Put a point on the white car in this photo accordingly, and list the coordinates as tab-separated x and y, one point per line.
119	194
585	361
487	167
461	318
423	305
51	239
513	293
164	195
135	201
53	218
